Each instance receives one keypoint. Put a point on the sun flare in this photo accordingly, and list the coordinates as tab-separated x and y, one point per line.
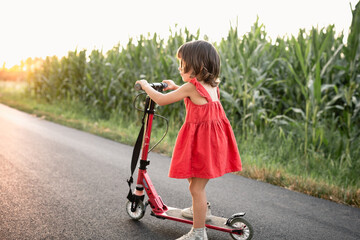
43	28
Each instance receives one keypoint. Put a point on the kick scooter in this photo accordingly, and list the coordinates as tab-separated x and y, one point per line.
236	225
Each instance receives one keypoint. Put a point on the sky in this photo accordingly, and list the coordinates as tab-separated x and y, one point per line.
40	28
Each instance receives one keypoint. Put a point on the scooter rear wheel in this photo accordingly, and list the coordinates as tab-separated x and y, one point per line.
241	224
139	212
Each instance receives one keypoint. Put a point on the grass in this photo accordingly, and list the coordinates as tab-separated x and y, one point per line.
77	115
267	157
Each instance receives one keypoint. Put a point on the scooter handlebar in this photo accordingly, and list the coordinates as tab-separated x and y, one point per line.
156	86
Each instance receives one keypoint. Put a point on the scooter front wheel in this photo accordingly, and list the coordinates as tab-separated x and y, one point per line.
139	211
246	230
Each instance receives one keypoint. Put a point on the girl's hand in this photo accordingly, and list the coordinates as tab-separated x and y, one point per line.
171	85
143	83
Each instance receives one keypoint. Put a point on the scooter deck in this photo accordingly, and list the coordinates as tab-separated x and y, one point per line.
175	214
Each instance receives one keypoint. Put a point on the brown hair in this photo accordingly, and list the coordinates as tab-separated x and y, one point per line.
202	57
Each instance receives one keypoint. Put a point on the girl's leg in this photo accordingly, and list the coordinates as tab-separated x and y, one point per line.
198	193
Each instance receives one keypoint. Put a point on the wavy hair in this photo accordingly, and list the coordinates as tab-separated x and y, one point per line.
202	57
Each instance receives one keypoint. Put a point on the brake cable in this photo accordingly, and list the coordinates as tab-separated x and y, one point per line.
156	115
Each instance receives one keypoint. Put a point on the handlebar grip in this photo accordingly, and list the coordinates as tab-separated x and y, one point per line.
137	87
164	85
156	86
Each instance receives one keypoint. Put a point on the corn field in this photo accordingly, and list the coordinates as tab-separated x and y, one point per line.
304	88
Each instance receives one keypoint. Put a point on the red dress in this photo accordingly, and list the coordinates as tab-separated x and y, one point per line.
206	145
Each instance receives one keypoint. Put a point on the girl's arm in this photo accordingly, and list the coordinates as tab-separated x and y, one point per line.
171	97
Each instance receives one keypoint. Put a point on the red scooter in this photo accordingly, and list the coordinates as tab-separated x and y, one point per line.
236	225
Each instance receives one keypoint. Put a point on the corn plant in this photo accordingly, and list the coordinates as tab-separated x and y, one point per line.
308	58
245	65
350	83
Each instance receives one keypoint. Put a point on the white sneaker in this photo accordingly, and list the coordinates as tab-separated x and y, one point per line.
188	212
198	234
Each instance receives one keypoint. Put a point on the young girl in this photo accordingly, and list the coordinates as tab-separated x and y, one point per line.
205	147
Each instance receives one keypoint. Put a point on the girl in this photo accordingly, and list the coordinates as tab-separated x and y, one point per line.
205	147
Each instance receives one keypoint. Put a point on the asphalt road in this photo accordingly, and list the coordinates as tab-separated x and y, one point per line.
60	183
